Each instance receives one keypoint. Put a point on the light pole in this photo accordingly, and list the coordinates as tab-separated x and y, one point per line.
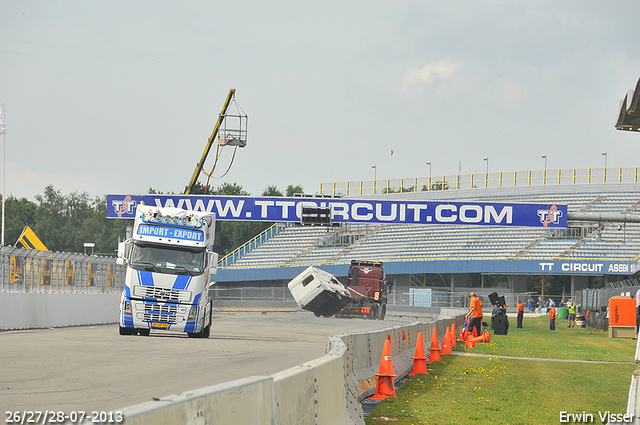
375	177
605	167
544	175
429	164
486	174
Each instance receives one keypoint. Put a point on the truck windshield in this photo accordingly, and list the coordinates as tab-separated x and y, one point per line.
166	259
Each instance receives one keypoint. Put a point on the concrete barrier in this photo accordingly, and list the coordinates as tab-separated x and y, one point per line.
243	401
30	310
325	391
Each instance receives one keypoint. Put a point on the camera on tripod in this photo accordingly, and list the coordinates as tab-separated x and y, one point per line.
499	319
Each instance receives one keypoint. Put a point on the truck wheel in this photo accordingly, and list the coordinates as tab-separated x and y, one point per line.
373	315
383	312
207	330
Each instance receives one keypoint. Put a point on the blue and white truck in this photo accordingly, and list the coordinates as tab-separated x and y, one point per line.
169	260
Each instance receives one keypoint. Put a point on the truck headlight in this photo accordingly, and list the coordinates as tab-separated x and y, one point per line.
127	309
193	312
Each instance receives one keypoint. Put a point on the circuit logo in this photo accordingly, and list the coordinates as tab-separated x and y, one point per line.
551	216
124	206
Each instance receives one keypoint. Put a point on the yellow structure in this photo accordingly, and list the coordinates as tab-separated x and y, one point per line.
29	240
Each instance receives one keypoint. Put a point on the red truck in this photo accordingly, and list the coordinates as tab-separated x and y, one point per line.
367	284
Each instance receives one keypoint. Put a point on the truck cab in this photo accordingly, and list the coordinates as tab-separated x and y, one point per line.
169	261
367	283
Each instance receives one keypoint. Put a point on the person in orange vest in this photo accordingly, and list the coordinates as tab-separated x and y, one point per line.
552	318
520	310
475	313
637	311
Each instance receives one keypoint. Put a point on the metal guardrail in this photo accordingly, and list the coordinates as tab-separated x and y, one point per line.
29	270
484	180
596	299
589	299
439	297
246	293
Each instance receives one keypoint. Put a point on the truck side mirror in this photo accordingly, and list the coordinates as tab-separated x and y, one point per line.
212	262
123	251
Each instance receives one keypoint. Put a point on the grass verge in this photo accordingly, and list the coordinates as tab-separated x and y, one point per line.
536	340
483	390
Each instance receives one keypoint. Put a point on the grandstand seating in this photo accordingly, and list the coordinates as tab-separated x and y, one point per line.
301	245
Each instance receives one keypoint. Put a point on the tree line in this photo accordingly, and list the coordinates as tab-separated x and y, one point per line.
65	223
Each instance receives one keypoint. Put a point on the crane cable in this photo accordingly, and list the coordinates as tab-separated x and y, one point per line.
219	150
209	175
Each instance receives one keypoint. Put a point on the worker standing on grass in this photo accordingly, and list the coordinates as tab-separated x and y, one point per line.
520	310
552	318
475	312
572	314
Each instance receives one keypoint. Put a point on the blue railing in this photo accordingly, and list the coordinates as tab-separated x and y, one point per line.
228	259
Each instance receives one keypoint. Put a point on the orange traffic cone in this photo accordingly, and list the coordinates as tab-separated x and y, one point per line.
480	338
475	332
466	336
385	386
434	350
469	343
446	343
419	359
453	335
487	337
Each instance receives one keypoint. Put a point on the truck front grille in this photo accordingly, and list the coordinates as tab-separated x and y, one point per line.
161	309
152	317
164	294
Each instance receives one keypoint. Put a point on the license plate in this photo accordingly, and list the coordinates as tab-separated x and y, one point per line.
160	325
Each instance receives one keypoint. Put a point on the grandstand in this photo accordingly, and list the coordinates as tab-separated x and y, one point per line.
609	249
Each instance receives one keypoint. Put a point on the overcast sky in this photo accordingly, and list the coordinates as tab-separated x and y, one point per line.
119	96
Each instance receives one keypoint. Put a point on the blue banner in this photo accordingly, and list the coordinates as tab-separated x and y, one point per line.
170	232
351	210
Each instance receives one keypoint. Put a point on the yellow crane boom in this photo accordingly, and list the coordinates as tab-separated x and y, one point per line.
198	170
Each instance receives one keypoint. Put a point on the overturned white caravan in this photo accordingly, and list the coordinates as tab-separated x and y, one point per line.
319	291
